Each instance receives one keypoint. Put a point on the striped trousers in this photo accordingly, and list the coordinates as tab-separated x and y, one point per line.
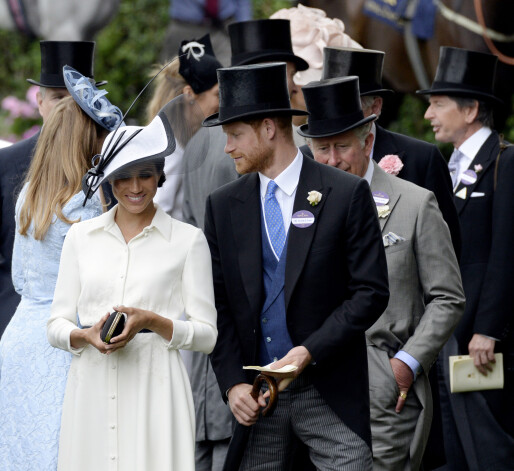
303	415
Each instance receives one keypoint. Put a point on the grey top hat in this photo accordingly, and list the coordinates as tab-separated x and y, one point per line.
465	73
367	64
56	54
251	91
334	106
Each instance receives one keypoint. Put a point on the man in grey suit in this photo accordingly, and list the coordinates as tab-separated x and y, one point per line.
426	295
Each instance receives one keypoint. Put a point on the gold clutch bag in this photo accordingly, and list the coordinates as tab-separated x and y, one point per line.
465	377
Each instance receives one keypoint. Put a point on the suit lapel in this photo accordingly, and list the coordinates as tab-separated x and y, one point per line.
300	239
245	213
485	157
380	182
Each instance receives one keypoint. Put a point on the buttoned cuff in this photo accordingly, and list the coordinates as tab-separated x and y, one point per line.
411	362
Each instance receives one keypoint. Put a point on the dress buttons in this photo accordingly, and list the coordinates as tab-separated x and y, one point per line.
113	457
122	276
113	427
268	339
275	359
113	396
113	367
264	320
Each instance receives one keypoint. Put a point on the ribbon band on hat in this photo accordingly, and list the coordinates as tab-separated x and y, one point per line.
190	49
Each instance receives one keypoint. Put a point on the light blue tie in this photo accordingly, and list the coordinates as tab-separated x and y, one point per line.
453	165
274	221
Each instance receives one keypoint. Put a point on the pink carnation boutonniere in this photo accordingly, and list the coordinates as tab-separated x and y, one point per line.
391	164
478	168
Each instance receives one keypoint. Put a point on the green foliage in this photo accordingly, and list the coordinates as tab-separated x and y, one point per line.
410	122
126	51
266	8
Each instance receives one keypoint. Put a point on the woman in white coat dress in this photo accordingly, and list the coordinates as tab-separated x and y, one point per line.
128	404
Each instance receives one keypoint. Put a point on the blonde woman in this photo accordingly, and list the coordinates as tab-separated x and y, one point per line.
32	373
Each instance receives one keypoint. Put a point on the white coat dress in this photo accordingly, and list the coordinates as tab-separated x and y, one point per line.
132	409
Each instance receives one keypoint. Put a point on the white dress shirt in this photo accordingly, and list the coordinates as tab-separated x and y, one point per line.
287	183
470	148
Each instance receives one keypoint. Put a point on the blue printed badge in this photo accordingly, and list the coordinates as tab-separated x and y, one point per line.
380	198
302	219
468	177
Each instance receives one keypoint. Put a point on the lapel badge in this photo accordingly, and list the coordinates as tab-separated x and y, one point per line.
468	177
380	198
302	219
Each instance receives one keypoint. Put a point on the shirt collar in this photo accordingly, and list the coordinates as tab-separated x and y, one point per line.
368	176
472	144
288	180
161	221
373	130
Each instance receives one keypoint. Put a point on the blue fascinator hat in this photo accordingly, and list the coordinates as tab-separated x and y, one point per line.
92	100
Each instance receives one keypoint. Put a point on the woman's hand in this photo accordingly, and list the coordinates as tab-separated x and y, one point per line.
81	337
137	320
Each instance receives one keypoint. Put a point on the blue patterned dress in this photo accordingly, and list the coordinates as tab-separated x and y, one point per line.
33	373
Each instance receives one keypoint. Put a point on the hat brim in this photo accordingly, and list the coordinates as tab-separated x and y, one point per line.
461	93
214	120
45	85
304	129
300	63
379	92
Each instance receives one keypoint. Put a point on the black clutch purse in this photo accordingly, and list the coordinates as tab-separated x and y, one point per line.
113	326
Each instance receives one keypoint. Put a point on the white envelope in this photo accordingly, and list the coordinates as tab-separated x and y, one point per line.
465	377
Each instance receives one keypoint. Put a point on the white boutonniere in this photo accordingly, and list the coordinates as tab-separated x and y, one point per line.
383	211
478	168
391	164
314	197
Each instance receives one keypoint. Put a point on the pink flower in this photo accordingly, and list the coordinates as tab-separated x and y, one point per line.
18	108
32	96
391	164
478	168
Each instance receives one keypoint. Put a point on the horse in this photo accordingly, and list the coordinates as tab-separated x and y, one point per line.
58	20
479	25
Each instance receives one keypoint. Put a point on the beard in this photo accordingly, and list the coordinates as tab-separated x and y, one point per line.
256	160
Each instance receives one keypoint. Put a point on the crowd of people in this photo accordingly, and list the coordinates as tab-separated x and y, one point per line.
261	217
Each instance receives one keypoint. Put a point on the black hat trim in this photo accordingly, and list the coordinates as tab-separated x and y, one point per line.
333	126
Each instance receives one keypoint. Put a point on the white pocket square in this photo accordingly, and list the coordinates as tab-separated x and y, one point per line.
391	238
476	194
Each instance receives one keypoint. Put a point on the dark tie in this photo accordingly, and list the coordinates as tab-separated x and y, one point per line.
211	9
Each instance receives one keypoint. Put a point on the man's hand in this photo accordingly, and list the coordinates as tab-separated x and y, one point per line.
297	356
244	407
404	379
481	349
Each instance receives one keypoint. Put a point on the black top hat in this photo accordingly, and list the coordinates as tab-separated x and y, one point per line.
263	40
198	64
334	106
365	63
252	91
464	73
56	54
